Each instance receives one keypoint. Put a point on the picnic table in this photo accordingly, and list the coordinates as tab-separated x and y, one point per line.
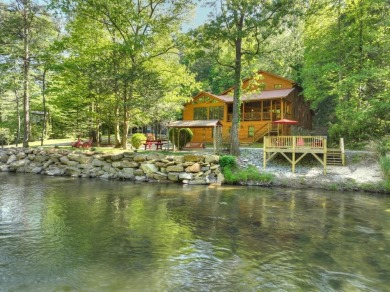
158	143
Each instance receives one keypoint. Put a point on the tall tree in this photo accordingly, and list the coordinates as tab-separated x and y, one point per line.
24	25
141	31
243	26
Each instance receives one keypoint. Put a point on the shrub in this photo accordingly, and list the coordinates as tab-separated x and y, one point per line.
181	135
385	164
137	140
228	161
233	175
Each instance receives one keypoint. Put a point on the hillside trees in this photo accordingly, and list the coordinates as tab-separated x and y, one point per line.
139	62
346	70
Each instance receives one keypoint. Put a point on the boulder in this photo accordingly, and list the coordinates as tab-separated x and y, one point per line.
12	158
21	155
117	164
127	173
4	168
192	158
155	156
197	182
54	171
139	158
193	168
97	162
149	168
41	158
138	172
72	171
173	176
160	176
18	163
211	159
185	176
175	168
141	178
116	157
130	164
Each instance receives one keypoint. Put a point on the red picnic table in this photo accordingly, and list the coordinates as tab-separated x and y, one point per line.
158	143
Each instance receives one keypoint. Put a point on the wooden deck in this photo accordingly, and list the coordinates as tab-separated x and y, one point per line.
299	147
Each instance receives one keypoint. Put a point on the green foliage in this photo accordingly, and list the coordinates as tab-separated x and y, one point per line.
228	161
346	69
5	136
382	146
180	136
385	164
249	174
137	139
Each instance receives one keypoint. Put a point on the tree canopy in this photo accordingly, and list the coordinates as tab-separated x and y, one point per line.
106	66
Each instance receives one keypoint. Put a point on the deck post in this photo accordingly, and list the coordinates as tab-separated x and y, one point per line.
293	154
264	152
342	151
325	152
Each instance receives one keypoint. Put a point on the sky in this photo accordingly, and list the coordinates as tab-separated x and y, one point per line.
199	18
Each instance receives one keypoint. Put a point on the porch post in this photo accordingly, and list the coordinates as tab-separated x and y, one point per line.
215	139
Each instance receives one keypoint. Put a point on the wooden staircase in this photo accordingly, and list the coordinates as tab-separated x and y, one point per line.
268	129
334	157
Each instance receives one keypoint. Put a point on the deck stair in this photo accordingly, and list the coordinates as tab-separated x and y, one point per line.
334	157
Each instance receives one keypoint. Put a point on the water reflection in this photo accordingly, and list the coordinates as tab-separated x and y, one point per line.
92	235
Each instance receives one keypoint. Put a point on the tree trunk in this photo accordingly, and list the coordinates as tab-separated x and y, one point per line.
125	128
43	134
26	68
234	136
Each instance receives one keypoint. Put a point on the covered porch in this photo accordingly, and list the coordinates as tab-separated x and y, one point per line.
215	125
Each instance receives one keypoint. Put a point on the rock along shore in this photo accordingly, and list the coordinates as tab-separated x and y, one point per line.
361	173
155	167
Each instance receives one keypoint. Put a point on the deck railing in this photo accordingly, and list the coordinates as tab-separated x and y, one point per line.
295	142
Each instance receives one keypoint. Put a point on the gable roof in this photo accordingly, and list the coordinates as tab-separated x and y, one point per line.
258	73
195	124
266	94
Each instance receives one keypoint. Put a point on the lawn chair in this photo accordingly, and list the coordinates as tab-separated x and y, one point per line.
88	144
78	143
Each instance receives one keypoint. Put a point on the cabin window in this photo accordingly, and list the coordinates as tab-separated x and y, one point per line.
278	86
266	110
251	131
200	113
216	113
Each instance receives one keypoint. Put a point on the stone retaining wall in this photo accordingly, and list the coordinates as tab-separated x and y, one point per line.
188	169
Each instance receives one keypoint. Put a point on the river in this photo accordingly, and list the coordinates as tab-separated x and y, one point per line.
64	234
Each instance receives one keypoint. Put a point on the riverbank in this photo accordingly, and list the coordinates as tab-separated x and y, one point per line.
362	172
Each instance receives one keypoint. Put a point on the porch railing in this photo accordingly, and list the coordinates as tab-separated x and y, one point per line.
295	142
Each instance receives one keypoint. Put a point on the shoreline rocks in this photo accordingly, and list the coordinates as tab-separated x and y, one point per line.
154	167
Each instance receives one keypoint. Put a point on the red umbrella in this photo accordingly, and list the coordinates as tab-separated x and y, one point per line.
286	122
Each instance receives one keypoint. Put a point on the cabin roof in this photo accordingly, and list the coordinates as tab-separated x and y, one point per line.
260	72
195	124
266	94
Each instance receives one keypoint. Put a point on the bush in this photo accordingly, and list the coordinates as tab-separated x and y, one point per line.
137	140
5	136
385	164
233	175
228	161
249	174
181	135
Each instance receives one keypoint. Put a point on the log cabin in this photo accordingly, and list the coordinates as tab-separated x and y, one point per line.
266	97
